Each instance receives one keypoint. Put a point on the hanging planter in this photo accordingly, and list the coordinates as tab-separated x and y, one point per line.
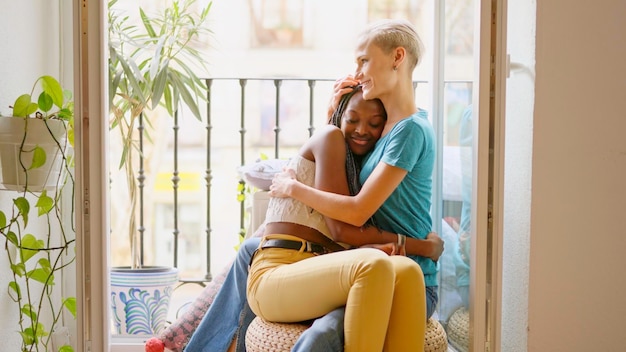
30	153
140	299
34	138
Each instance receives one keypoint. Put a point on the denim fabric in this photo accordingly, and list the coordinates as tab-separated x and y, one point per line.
325	335
431	300
222	319
246	317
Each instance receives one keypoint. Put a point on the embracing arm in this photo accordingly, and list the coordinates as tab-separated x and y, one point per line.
329	154
354	210
431	247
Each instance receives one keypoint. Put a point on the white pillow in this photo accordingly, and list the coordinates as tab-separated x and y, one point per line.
260	173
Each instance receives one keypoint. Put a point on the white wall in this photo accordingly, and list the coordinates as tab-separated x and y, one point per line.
30	42
29	47
577	242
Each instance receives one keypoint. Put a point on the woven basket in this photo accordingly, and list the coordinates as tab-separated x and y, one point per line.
436	338
264	336
458	329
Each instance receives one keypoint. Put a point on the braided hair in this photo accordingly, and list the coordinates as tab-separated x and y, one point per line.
353	162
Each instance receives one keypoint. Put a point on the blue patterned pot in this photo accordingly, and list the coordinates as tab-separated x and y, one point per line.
140	299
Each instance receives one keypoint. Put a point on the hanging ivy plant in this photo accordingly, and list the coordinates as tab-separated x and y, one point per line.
38	255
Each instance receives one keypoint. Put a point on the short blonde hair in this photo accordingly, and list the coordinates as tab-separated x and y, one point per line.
389	34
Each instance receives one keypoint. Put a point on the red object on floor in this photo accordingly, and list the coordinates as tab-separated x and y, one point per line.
154	344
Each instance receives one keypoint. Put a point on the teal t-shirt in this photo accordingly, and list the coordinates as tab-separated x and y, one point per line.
410	145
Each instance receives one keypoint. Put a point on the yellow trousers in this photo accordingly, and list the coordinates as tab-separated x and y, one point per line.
384	296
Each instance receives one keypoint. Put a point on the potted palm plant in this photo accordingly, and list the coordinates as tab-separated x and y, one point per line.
152	68
35	156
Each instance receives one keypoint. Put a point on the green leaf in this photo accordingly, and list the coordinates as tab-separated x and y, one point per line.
23	208
28	337
70	137
159	85
70	305
168	99
187	97
66	114
3	219
146	23
44	204
23	106
52	87
69	97
45	102
19	269
31	336
41	331
12	237
29	241
45	263
39	158
28	311
41	275
133	75
66	348
155	63
14	291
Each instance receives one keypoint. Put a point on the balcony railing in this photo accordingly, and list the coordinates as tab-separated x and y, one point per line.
270	116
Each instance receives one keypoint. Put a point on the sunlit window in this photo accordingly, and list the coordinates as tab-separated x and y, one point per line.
408	9
276	23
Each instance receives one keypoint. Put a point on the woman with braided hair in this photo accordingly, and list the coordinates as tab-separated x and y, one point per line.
299	273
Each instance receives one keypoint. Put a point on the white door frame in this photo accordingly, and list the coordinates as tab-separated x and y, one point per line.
488	175
92	225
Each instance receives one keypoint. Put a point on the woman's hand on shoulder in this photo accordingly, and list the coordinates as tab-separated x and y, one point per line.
342	86
281	183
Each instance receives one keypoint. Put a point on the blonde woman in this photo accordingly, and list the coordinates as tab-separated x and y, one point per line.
396	175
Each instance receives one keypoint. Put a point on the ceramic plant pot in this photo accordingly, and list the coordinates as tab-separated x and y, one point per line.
16	158
140	299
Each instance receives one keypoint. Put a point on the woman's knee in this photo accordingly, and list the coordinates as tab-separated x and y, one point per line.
407	268
375	263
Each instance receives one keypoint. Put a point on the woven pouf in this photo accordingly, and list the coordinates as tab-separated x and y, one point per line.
436	338
264	336
458	329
